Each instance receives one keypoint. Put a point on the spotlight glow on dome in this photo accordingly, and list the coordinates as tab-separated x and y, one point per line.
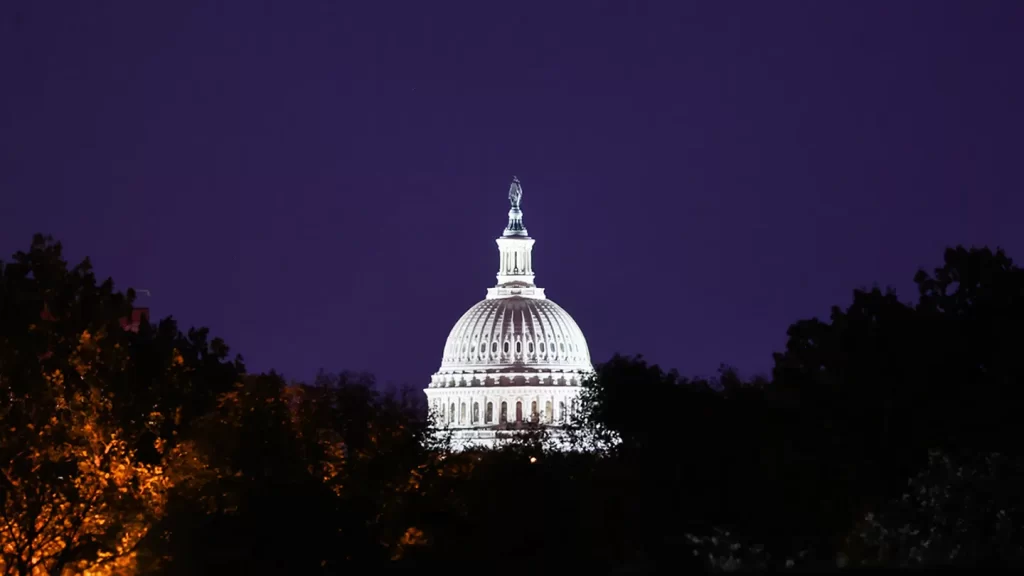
514	359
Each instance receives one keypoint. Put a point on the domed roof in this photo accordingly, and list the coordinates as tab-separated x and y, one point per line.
518	334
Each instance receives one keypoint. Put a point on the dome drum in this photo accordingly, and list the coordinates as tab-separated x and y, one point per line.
508	408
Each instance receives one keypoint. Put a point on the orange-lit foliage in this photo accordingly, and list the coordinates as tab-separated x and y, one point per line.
76	500
412	537
92	417
362	447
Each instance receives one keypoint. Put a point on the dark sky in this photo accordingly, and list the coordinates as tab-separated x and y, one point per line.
321	182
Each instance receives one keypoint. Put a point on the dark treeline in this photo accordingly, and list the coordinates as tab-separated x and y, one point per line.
885	436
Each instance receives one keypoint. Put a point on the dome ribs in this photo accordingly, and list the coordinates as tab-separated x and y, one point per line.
495	322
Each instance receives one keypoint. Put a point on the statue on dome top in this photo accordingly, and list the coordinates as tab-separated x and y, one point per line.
515	193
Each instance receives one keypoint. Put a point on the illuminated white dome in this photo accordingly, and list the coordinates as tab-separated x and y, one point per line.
514	357
515	334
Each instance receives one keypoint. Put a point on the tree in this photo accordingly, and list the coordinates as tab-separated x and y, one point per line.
265	509
75	496
93	417
681	456
965	511
973	309
376	446
843	398
308	479
863	398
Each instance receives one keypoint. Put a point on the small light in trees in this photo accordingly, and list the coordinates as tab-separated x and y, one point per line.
533	459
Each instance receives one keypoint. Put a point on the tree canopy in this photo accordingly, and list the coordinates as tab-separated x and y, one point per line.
885	435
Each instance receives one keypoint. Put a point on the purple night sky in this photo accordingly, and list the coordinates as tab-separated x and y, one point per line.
321	182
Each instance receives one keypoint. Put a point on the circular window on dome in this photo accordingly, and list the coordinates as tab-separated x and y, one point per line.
504	347
561	347
541	347
494	347
472	348
551	347
519	347
530	347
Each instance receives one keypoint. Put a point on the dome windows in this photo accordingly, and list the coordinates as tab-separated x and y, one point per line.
500	331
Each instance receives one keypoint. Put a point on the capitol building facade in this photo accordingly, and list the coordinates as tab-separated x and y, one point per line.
513	359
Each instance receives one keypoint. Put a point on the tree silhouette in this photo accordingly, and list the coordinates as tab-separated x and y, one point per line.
957	512
126	452
90	438
863	398
309	478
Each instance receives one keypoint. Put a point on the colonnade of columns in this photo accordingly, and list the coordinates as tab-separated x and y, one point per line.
478	410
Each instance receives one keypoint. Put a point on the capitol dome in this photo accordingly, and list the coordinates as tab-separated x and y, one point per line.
514	334
513	358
